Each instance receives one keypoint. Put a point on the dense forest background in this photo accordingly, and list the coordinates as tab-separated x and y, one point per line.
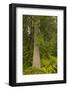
39	44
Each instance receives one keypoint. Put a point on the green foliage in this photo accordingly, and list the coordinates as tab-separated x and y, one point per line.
48	28
47	66
40	40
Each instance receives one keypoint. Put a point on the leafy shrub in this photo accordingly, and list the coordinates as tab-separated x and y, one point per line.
47	66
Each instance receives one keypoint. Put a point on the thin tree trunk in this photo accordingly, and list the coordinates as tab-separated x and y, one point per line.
36	53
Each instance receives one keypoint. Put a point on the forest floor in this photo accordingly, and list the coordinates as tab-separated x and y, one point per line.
48	66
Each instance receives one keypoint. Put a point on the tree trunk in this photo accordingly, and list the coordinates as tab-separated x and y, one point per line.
36	53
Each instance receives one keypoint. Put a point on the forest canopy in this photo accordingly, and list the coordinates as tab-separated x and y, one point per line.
39	44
